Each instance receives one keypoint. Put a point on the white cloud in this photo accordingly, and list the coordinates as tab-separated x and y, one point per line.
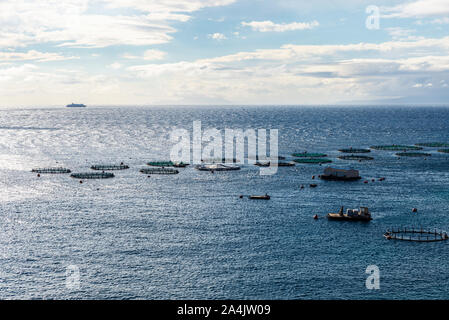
154	54
69	22
115	66
269	26
418	9
33	55
217	36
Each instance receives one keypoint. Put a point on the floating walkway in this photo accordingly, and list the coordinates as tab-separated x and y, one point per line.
416	235
309	155
313	160
109	167
413	154
51	170
396	147
352	150
433	145
161	163
90	175
356	157
159	171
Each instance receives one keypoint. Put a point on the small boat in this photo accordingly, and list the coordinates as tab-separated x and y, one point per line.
361	214
76	105
265	197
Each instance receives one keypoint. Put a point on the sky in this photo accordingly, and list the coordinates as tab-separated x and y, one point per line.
223	52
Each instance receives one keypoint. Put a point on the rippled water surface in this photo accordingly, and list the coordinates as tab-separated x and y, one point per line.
189	235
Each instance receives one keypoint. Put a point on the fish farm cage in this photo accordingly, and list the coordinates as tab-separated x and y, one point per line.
356	157
90	175
444	150
313	160
433	145
159	171
353	150
109	167
51	170
279	164
413	154
416	235
161	163
309	155
396	147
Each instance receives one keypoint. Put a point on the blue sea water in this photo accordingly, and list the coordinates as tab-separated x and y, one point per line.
190	236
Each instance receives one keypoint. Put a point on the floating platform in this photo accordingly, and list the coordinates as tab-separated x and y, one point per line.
413	154
309	155
433	145
313	160
356	157
396	147
265	197
217	167
279	164
444	150
159	171
51	170
90	175
416	235
161	163
353	150
106	167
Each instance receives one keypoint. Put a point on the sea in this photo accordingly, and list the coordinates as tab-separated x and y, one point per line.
191	235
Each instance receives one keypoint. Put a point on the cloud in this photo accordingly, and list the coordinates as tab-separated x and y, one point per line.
115	66
33	55
418	9
217	36
70	23
152	54
269	26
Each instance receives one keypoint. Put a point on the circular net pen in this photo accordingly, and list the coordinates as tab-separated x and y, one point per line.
90	175
313	160
396	147
106	167
413	154
161	163
354	150
51	170
309	155
416	235
356	158
433	145
444	150
159	171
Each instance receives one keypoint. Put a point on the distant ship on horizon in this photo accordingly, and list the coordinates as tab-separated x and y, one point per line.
75	105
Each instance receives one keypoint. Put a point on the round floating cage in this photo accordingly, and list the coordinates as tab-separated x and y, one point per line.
161	163
413	154
51	170
416	235
433	145
444	150
159	171
313	160
356	157
309	155
396	147
90	175
353	150
105	167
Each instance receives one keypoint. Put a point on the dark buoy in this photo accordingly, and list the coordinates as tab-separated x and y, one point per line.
366	181
81	181
38	175
414	210
302	186
241	197
373	180
313	177
313	185
315	217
